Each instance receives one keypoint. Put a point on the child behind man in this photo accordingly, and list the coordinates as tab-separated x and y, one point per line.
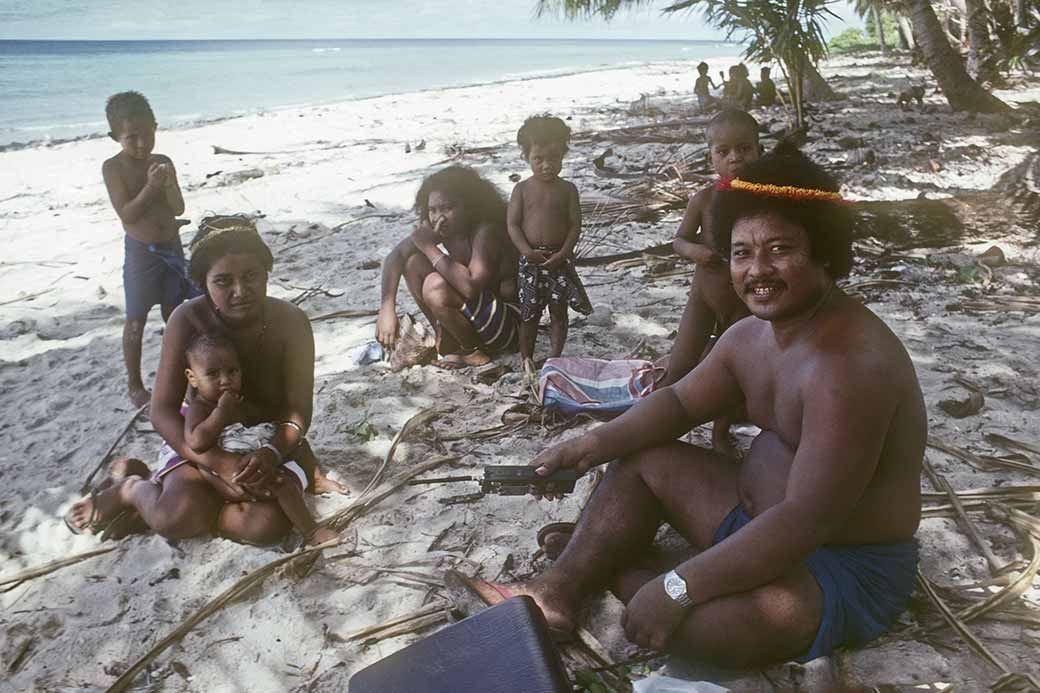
713	304
214	417
143	189
737	91
544	221
766	89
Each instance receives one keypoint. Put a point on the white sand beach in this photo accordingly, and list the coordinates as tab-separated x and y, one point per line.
333	186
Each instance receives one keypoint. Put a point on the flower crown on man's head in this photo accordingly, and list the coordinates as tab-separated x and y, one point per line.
788	191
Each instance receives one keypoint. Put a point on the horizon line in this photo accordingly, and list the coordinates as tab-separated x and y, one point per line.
376	38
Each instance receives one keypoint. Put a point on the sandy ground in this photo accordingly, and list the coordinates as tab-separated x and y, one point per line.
62	390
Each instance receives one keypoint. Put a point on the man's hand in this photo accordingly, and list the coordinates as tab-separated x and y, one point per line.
230	405
554	260
576	453
386	326
258	470
651	617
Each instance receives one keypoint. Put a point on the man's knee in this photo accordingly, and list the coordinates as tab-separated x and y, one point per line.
438	294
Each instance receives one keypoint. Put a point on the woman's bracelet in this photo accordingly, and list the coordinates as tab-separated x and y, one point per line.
443	256
292	424
276	451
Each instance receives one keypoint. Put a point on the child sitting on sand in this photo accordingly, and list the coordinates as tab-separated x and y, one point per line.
701	87
766	89
544	221
713	304
214	416
737	91
144	192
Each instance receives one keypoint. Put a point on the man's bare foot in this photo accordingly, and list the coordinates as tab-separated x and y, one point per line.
456	361
323	484
139	396
558	612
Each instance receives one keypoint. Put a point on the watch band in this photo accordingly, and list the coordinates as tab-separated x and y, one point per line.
680	597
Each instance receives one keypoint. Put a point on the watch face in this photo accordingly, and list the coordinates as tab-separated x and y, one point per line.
674	586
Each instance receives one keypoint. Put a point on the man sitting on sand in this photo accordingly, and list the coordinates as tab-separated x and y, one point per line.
808	544
468	293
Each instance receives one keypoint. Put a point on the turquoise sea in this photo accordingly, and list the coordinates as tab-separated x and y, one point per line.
56	90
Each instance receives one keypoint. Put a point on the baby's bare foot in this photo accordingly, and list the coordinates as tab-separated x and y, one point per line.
323	484
139	396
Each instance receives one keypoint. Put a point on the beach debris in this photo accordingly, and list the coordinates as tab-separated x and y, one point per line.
936	166
369	265
367	353
104	459
368	203
492	374
515	177
311	292
10	582
346	314
407	148
409	623
236	177
993	257
339	521
416	344
850	142
960	409
862	156
421	146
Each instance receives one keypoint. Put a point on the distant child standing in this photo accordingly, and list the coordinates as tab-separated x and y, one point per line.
701	87
544	222
144	192
766	89
214	416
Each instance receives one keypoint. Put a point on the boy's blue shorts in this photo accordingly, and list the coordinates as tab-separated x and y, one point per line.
865	587
154	273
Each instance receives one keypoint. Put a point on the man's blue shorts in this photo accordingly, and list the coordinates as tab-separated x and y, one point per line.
865	587
154	273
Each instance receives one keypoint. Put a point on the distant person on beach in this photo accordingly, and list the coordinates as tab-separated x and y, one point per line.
766	89
467	293
703	86
144	192
193	493
737	91
808	544
544	222
713	305
214	417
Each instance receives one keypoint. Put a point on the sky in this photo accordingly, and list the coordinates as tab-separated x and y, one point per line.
283	19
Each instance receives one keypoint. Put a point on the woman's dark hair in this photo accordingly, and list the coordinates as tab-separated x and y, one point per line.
225	235
828	224
481	199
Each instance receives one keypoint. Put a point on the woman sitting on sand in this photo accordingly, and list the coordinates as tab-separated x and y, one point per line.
195	493
469	293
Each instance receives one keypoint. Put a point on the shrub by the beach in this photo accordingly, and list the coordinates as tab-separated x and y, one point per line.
852	41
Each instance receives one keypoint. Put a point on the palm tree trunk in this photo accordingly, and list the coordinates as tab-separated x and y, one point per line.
880	30
906	33
963	93
982	57
814	86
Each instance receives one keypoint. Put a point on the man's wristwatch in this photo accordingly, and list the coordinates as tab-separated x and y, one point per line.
675	587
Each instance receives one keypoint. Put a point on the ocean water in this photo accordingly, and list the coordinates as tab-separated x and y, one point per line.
57	89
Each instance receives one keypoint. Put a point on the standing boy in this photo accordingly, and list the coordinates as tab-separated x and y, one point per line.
713	304
544	221
144	192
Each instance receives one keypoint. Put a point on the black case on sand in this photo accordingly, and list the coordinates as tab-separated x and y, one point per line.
503	649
